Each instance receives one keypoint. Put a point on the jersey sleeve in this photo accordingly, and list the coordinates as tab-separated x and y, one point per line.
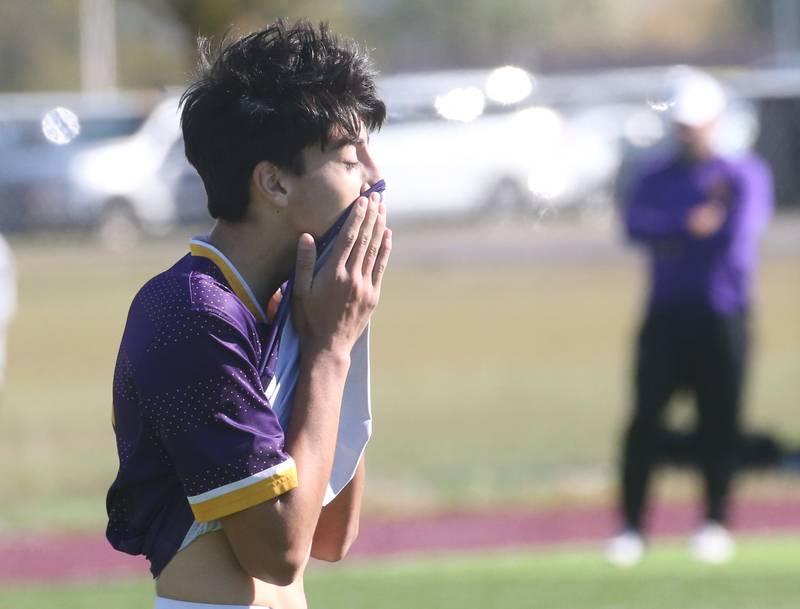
202	395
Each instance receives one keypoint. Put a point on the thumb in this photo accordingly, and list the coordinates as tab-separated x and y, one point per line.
304	268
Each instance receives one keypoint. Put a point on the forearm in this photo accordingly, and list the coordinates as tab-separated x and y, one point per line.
643	224
311	439
272	540
331	308
337	527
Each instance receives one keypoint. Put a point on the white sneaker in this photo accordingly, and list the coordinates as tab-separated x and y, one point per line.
626	549
712	544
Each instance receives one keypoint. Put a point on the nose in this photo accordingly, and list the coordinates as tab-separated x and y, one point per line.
372	172
379	191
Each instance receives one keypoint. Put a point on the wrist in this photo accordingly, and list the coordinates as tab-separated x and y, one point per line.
327	356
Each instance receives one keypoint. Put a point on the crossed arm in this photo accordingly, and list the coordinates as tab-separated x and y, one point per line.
746	208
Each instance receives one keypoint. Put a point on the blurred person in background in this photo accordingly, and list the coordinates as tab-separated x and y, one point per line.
8	301
235	466
699	217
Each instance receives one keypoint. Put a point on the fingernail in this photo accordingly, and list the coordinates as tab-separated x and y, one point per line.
381	209
362	202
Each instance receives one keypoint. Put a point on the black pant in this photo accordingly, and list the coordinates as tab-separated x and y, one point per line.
706	354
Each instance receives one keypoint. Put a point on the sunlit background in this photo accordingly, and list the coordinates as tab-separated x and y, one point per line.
503	346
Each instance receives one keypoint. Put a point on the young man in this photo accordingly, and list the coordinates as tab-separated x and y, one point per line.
223	498
700	217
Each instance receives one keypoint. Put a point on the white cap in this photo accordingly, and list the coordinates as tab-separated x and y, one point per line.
696	99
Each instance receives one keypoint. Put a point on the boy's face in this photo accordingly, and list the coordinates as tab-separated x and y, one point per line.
332	180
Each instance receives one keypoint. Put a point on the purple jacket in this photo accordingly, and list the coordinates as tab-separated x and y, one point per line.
713	273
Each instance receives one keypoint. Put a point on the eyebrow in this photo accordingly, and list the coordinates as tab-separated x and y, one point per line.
347	141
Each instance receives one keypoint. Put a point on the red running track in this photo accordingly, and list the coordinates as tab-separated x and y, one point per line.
87	556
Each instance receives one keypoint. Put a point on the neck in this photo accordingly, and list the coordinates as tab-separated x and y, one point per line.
262	252
697	155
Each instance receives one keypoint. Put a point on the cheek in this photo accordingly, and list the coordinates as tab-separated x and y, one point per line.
318	202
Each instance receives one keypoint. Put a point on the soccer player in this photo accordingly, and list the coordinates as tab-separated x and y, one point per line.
699	215
224	498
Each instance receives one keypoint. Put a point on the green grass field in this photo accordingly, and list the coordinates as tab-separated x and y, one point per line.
764	575
492	386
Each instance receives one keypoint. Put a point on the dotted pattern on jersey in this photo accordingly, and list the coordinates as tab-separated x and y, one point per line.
209	294
162	298
180	329
238	469
124	386
182	409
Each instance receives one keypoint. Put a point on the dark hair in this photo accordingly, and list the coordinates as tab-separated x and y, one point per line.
267	96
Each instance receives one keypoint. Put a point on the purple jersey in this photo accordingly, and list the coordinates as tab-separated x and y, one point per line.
196	436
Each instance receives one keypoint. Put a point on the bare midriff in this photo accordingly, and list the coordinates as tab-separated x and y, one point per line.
207	572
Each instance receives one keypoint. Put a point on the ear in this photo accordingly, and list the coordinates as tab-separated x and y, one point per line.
268	184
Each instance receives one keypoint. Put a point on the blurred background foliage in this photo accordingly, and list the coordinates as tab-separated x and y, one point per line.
540	35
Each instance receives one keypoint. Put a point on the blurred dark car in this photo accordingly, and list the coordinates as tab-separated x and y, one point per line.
34	170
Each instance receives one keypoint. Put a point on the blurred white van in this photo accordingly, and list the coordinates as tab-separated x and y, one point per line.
129	186
474	142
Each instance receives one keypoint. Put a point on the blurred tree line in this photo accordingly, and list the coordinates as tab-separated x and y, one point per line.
40	39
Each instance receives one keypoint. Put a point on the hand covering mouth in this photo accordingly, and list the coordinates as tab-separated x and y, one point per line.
330	235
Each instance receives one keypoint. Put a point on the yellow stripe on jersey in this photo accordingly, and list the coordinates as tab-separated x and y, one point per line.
243	498
204	250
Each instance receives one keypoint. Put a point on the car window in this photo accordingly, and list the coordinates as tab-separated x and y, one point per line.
26	133
98	129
